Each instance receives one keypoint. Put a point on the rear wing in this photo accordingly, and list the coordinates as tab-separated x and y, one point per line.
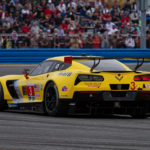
97	59
87	57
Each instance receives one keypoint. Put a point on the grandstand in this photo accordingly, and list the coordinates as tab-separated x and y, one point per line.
70	24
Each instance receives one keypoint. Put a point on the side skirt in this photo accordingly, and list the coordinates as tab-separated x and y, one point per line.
26	107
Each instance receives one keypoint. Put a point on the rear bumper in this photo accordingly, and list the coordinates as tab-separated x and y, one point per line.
122	102
112	96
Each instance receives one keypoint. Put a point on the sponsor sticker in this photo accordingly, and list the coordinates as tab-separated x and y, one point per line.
37	95
12	105
37	88
148	86
64	89
64	95
31	98
68	74
24	89
93	84
30	91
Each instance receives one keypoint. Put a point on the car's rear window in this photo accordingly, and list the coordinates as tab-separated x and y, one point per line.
105	65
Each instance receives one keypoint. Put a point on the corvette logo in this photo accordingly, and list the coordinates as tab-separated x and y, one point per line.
119	77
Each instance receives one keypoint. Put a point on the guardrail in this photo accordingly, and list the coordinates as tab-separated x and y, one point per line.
32	56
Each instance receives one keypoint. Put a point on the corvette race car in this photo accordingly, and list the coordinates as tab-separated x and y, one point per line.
78	84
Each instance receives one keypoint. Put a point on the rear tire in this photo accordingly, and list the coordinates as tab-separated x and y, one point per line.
52	105
139	114
3	103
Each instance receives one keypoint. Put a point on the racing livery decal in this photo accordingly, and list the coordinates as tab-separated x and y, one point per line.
12	105
148	86
20	98
29	90
133	86
24	90
68	74
31	93
93	84
64	89
37	88
37	95
64	95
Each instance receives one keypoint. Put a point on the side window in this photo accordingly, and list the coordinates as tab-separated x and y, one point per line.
49	66
60	66
56	66
64	66
42	68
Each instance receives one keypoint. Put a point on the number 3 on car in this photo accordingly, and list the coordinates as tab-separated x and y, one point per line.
132	86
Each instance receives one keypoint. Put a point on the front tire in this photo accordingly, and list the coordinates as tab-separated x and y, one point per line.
3	103
52	105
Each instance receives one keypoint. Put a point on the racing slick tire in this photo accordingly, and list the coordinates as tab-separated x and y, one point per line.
52	105
139	114
3	103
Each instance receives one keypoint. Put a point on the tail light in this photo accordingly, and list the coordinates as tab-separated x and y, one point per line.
142	78
81	78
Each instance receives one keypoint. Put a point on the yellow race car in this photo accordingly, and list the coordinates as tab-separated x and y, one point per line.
78	84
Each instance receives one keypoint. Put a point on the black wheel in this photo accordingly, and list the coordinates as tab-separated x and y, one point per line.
3	103
52	104
139	114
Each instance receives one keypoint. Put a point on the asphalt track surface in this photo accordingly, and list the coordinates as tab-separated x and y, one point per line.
31	131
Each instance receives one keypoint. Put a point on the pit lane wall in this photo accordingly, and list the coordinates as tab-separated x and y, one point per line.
34	56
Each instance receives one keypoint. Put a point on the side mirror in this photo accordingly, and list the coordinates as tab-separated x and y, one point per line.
26	73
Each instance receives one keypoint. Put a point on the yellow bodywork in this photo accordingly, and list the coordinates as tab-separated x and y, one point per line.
62	79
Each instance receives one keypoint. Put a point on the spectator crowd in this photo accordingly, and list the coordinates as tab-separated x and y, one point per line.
69	24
